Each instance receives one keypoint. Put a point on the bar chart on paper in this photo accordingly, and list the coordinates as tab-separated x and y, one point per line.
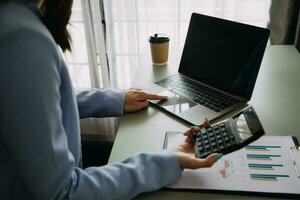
264	166
266	163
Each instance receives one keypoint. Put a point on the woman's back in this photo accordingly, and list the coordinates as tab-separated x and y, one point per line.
31	72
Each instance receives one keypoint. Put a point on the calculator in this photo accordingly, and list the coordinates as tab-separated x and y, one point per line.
229	135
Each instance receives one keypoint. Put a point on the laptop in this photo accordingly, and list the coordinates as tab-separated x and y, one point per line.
217	72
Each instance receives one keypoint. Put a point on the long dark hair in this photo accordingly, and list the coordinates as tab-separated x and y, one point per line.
57	14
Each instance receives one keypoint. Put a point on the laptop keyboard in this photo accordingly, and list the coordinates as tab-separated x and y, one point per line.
198	93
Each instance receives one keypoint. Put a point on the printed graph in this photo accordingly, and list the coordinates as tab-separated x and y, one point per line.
265	163
261	147
262	156
267	177
259	166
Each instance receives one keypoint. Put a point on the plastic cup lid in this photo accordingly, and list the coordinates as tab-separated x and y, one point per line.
159	38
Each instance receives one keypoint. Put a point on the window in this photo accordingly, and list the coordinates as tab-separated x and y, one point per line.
77	60
131	22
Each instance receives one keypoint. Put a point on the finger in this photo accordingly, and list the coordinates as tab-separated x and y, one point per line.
209	161
195	129
205	123
214	157
218	156
153	96
190	134
191	131
199	163
189	139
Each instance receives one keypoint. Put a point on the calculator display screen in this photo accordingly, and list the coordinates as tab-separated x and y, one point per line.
242	127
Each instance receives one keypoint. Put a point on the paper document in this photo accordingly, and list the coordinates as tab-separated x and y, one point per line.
263	166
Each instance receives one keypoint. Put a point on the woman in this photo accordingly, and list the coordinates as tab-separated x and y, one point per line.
39	118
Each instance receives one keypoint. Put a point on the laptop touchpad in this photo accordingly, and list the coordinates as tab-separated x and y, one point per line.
175	103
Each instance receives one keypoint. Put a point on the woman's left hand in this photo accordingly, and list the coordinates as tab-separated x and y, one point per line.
185	153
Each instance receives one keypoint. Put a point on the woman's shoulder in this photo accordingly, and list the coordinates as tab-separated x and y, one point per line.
23	34
21	21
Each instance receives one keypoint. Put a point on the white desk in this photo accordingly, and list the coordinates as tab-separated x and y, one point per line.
276	99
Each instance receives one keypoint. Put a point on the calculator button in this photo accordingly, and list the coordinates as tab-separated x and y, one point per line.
200	148
203	131
200	143
213	144
214	150
207	146
221	147
209	129
211	135
228	144
205	141
212	140
222	125
218	136
204	137
225	134
223	129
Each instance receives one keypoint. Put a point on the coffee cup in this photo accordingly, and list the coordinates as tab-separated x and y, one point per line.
159	45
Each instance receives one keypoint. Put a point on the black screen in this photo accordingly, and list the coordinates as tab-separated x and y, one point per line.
223	54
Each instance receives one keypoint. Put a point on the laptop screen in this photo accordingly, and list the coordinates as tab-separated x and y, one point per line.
223	54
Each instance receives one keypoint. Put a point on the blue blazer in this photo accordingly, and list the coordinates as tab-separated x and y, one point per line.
39	123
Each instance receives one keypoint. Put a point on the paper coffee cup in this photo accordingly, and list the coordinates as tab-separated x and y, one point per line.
159	45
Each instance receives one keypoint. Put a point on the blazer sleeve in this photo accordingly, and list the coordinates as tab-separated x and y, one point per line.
100	103
32	130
